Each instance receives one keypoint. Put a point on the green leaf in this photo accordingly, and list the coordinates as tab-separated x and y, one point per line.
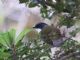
4	40
11	35
59	6
21	35
23	1
4	55
32	4
44	12
7	38
66	21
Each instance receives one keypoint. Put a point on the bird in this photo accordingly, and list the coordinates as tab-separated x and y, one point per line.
50	34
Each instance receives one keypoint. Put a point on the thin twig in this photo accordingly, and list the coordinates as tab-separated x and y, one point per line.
68	56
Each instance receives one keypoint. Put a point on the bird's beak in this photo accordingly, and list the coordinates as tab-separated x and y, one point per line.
37	29
33	27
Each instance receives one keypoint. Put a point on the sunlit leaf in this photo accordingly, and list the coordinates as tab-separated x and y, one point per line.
11	35
4	40
7	38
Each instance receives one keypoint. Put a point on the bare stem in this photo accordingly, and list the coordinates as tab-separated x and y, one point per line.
14	53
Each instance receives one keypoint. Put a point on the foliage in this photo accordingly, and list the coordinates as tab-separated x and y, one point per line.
12	48
70	50
70	10
48	7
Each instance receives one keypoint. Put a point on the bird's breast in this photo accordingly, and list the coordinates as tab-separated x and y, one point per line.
49	34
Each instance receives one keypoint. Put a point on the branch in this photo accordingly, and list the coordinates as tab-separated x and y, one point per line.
43	2
49	4
68	56
14	53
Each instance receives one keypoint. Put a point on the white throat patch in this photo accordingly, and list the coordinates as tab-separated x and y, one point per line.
38	30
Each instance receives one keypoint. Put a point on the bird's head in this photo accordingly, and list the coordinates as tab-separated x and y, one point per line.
40	25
